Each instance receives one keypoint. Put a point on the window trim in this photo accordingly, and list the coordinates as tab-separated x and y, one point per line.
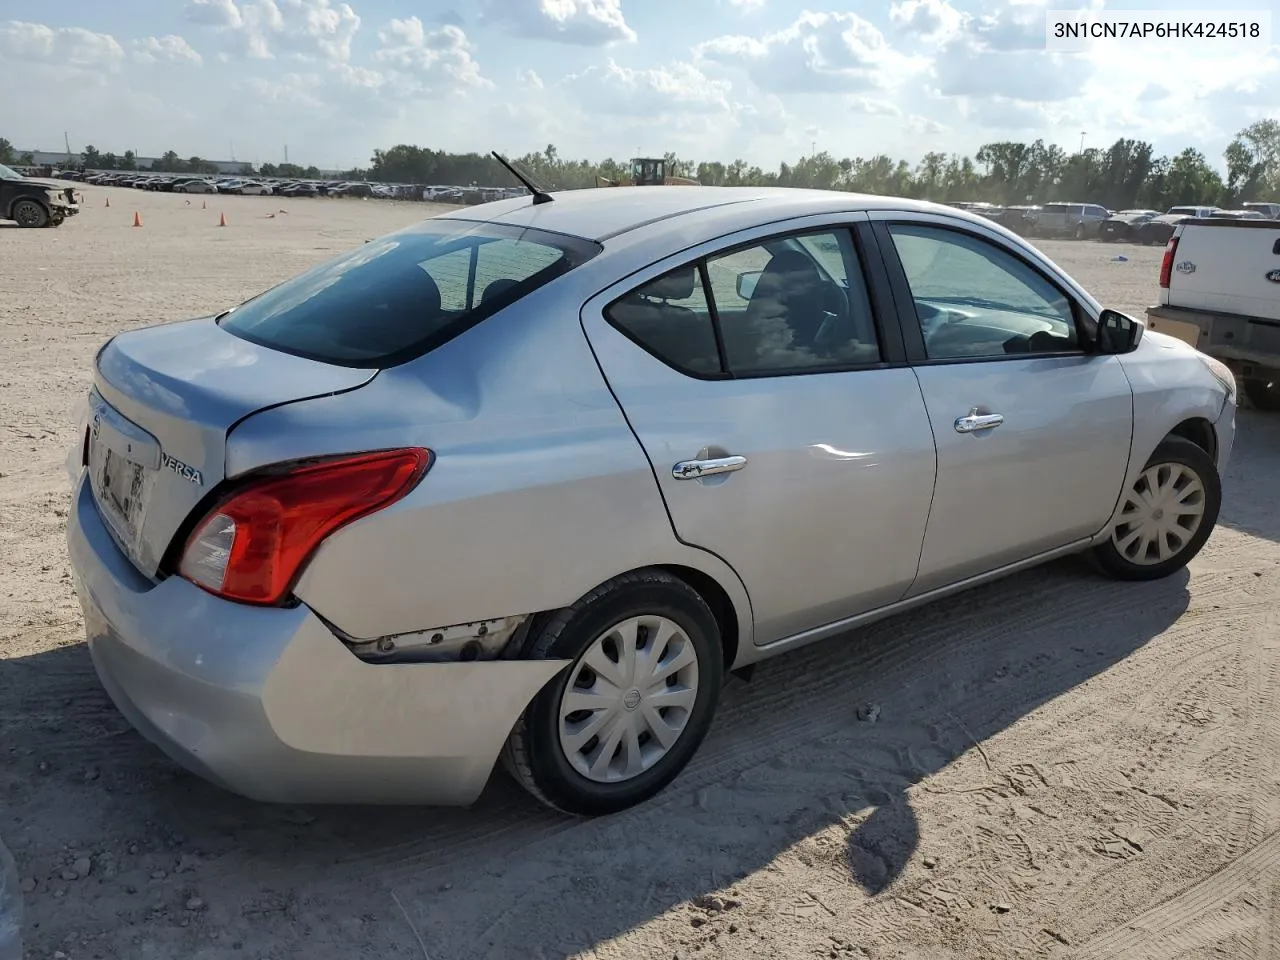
883	310
909	320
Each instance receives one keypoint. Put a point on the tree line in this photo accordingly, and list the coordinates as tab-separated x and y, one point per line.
1125	175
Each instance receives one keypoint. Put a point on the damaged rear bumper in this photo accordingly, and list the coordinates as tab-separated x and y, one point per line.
268	703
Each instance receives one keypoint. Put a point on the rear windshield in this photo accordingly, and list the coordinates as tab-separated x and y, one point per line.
402	295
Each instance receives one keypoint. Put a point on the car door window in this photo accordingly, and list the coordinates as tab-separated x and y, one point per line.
975	300
789	304
669	317
793	304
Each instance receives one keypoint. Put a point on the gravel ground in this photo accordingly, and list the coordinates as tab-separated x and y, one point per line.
1061	766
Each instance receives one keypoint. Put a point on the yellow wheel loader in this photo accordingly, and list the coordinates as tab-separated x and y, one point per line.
647	172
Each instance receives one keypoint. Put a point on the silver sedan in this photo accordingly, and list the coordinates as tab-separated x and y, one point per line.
528	480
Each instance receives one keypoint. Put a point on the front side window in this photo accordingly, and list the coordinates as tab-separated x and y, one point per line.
789	304
975	300
400	296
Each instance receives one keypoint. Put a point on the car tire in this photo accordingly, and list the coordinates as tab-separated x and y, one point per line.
30	213
1263	394
540	752
1182	475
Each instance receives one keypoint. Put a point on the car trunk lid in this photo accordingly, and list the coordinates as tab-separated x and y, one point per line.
164	400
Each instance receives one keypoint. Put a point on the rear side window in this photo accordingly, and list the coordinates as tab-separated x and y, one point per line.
402	295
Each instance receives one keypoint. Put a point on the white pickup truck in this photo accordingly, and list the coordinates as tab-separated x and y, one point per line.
1220	292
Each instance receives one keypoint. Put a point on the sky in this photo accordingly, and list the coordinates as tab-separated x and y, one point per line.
763	80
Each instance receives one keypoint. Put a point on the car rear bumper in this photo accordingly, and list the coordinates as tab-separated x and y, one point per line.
268	703
1249	346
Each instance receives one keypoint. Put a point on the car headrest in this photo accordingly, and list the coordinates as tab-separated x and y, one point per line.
679	284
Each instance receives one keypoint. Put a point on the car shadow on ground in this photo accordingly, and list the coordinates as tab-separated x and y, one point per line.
793	752
1254	467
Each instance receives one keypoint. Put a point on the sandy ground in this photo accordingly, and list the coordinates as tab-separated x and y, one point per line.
1062	766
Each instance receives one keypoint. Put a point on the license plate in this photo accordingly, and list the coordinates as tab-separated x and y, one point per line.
121	493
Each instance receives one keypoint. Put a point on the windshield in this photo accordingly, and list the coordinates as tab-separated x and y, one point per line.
7	174
402	295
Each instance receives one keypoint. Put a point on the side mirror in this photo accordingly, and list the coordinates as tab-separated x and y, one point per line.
1118	333
746	284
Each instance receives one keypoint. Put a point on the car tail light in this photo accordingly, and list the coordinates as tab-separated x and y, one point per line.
251	546
1166	265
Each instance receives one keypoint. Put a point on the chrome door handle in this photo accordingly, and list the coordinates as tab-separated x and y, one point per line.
697	469
978	421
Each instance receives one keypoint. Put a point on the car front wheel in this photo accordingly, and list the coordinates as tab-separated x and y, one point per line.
1166	515
629	712
30	213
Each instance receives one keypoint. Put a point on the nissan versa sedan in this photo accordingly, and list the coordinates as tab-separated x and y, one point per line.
528	480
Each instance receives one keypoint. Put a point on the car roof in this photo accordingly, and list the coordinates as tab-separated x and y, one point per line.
604	212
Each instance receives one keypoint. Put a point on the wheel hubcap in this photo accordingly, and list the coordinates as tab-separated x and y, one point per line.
629	699
1162	512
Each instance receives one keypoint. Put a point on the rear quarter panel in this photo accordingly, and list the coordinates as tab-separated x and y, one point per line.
539	491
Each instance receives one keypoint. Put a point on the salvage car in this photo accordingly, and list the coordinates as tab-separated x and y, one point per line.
35	202
529	480
1078	220
1121	226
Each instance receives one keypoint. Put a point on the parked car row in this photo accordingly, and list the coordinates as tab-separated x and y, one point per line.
260	186
1153	228
1090	221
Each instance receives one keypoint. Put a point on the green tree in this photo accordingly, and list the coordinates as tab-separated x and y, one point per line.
6	151
91	158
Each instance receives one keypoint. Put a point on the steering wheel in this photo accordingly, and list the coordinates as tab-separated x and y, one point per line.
835	327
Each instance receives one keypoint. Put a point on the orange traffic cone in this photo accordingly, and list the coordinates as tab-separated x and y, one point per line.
222	219
137	220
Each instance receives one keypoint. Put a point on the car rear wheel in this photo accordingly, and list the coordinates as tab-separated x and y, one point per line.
629	712
1166	515
30	213
1263	394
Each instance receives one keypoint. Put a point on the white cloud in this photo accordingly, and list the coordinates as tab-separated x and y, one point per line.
166	49
875	108
305	28
63	46
587	23
924	126
677	88
933	20
1001	115
747	6
818	53
530	78
433	61
997	53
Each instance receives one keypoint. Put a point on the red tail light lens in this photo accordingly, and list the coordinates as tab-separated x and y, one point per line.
1166	265
252	546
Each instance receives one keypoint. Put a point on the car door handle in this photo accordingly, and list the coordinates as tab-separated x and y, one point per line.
697	469
978	421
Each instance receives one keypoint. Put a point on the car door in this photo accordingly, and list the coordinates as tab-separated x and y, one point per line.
1033	431
765	379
